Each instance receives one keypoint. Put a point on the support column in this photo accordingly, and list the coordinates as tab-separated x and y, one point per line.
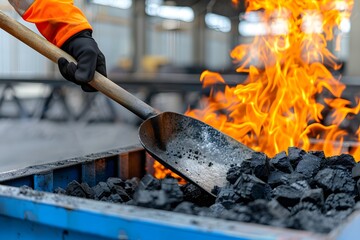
199	34
353	62
138	34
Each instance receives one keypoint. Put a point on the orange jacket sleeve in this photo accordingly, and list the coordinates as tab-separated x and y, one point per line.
56	20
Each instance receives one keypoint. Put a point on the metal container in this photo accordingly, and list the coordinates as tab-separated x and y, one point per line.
40	214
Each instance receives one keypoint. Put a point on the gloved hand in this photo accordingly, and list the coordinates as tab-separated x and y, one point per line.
88	56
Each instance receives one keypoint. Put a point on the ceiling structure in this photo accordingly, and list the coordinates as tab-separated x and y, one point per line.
221	7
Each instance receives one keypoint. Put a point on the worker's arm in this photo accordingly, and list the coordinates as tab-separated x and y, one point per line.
63	24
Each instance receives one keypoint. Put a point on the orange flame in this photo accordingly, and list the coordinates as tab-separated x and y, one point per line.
288	68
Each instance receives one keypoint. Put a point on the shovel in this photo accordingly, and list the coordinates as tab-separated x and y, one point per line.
194	150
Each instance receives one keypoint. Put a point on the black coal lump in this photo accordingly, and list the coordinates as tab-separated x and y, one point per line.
335	181
355	171
227	197
101	190
277	210
249	188
157	199
260	165
148	182
88	190
281	162
295	155
339	201
185	207
194	194
292	178
172	189
287	196
113	181
74	188
320	154
344	161
301	185
115	198
235	171
307	220
260	211
217	209
305	206
239	212
276	178
233	174
131	185
309	165
121	192
315	196
60	190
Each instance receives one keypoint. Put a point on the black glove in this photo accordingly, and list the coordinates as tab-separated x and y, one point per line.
88	56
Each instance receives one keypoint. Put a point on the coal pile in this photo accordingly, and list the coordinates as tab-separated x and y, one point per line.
298	190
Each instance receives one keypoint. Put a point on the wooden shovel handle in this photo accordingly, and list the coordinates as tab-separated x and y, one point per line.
53	53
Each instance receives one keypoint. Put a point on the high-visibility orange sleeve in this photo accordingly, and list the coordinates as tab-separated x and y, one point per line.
56	20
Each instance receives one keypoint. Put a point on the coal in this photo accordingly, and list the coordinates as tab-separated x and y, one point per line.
355	171
287	196
131	185
238	213
121	192
295	155
75	189
217	209
227	197
309	165
315	196
289	179
281	162
185	207
276	178
307	220
335	181
101	190
344	161
148	182
260	165
339	201
112	182
60	190
249	187
196	195
301	186
305	206
172	189
277	210
152	199
319	154
235	171
301	190
90	193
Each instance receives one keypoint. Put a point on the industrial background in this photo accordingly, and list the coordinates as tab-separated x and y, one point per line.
52	132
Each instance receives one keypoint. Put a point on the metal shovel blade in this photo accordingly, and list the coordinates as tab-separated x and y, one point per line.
194	150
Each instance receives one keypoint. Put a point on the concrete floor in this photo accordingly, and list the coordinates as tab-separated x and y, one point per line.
26	143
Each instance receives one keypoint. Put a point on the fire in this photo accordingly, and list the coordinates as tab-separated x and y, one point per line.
288	67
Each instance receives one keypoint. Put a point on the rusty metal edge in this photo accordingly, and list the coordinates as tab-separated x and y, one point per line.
41	168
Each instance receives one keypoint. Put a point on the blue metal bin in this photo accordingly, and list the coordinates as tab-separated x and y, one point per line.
40	214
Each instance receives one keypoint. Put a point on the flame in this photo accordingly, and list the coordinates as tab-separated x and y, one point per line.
235	2
288	68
